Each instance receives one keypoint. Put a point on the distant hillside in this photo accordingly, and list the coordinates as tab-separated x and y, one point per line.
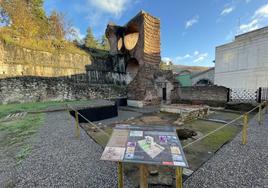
193	69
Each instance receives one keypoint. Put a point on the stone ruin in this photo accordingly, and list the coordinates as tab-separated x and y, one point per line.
137	44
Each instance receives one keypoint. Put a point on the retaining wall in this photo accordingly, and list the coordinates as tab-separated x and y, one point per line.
35	89
211	95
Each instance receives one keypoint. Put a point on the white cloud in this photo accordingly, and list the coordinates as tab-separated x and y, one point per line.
76	35
195	57
166	59
258	20
254	24
201	58
262	12
115	7
227	10
186	56
191	22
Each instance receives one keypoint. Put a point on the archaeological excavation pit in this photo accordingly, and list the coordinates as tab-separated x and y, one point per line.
186	112
184	134
96	110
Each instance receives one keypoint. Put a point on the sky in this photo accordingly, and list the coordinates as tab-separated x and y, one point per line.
190	29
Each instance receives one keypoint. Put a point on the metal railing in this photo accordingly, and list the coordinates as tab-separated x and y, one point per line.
260	107
179	171
77	114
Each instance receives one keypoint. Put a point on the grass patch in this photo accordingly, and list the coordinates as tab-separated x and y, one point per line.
23	153
216	140
15	135
37	106
201	151
17	132
202	126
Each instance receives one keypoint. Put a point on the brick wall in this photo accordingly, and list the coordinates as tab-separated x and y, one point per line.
211	95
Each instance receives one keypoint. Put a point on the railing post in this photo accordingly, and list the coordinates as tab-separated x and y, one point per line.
143	176
178	172
228	94
259	95
120	175
260	115
77	131
244	130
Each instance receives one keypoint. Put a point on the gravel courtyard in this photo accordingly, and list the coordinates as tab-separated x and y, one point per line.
237	165
59	159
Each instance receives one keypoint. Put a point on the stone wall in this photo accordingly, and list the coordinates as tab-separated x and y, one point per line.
108	69
35	89
210	95
19	61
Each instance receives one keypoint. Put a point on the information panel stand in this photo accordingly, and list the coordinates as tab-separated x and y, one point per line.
154	145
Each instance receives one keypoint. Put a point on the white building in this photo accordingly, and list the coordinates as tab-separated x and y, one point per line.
244	62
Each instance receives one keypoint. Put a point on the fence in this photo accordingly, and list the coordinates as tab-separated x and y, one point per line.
247	95
261	108
263	94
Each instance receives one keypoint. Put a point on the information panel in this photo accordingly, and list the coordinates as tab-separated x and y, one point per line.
142	144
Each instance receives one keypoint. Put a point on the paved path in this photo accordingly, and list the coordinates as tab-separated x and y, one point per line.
58	159
237	165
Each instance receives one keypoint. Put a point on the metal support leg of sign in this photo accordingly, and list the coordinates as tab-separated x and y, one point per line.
244	130
120	175
178	172
143	176
77	131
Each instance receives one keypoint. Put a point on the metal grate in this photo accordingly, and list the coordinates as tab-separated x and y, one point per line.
264	94
243	95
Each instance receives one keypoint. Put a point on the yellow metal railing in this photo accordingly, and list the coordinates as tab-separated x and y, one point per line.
77	130
261	108
178	171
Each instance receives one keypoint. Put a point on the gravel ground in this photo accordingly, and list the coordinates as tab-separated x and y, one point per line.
7	168
237	165
58	159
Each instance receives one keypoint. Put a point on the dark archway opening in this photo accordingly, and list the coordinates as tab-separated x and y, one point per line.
164	91
204	82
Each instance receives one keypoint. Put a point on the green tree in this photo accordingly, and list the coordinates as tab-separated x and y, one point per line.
104	44
25	16
166	65
56	22
90	41
37	7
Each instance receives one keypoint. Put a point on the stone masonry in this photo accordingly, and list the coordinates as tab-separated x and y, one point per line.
37	89
18	61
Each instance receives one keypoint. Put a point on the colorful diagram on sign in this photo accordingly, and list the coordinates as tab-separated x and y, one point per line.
148	145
